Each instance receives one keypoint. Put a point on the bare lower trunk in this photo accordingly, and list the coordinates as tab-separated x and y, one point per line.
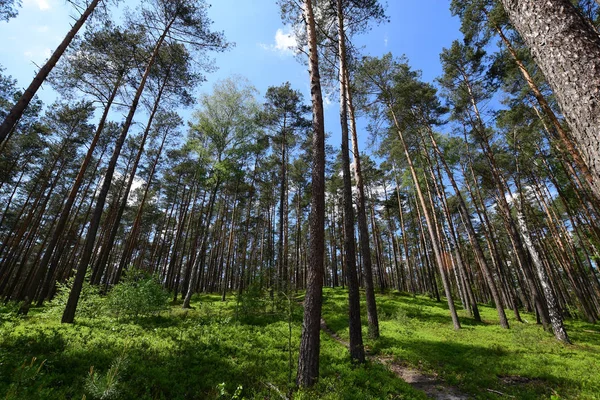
555	317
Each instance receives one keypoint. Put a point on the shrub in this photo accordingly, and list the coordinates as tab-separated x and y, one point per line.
90	303
138	294
9	312
252	302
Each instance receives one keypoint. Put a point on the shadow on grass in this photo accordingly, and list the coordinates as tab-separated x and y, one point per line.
523	362
181	368
474	369
417	308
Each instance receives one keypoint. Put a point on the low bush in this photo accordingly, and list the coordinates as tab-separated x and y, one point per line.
138	294
90	305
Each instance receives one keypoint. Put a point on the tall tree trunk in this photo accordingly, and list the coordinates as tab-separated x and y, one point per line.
66	210
107	249
201	257
363	227
357	352
555	317
308	358
133	235
283	278
228	271
481	261
553	307
69	313
430	227
411	274
470	297
250	199
479	129
18	109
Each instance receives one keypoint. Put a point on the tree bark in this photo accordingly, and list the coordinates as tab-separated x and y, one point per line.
567	50
430	227
69	313
357	352
308	359
363	228
18	109
569	146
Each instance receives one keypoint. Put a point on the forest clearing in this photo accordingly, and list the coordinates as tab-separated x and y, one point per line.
299	199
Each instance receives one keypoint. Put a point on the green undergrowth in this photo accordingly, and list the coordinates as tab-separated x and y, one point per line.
482	359
217	350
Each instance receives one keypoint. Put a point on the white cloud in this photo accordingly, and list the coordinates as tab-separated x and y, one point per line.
43	5
42	28
285	43
38	54
327	100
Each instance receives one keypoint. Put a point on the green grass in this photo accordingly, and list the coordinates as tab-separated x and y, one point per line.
524	362
203	353
211	351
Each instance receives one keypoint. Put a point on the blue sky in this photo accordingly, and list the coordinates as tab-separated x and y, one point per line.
419	29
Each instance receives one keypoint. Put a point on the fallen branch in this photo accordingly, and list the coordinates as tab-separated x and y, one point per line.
273	387
500	393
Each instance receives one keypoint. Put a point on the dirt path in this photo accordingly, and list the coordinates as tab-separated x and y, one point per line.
433	387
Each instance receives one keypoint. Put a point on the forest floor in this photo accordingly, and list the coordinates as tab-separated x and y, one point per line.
241	348
424	382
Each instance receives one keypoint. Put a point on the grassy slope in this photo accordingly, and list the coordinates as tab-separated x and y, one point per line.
186	355
178	355
524	362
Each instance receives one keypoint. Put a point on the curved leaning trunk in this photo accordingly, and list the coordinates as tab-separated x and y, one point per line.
18	109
